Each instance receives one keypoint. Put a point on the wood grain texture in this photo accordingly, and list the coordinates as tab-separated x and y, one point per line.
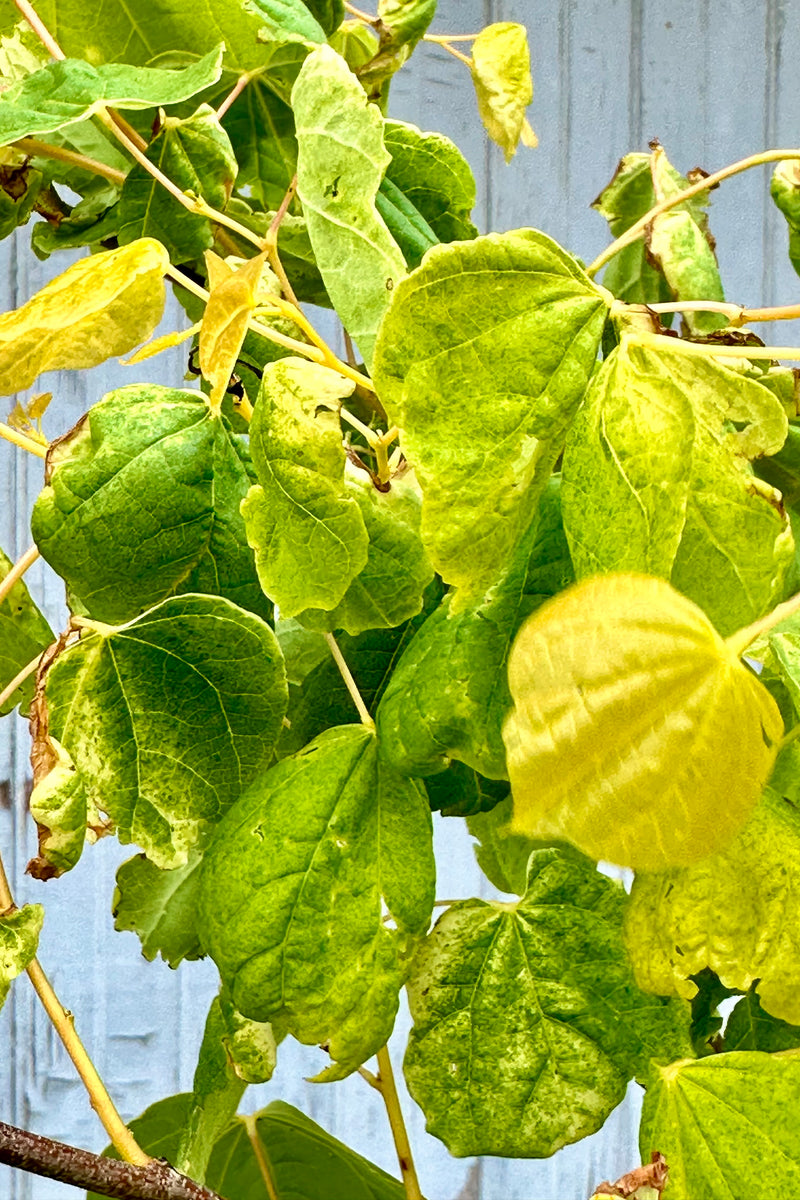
713	80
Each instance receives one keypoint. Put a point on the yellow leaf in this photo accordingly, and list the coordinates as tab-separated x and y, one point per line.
100	307
230	307
637	733
501	72
166	342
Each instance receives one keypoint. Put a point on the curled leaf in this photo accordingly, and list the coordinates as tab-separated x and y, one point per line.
100	307
19	937
637	733
501	72
230	306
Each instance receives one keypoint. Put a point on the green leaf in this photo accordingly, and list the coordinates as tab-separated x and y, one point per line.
306	529
406	19
24	633
402	23
735	912
260	126
251	1046
19	937
434	175
706	1018
527	1022
389	590
632	718
196	154
288	19
725	1125
216	1092
630	274
169	717
750	1027
485	397
65	92
302	650
785	191
19	191
99	307
142	501
160	907
461	792
502	854
329	13
656	481
93	220
679	241
303	1161
341	160
782	469
448	695
290	906
405	223
501	73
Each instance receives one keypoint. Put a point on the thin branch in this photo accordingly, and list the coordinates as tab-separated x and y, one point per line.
235	93
350	682
33	147
402	1145
445	44
18	570
23	440
122	1138
18	679
106	1176
260	1157
271	241
702	185
40	29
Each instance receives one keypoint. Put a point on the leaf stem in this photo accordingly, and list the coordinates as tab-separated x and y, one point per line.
737	314
445	44
788	738
40	29
235	92
702	185
402	1145
33	147
271	242
124	1142
20	677
260	1157
18	570
23	440
710	349
350	682
743	638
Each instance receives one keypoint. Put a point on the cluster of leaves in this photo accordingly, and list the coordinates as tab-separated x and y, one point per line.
542	592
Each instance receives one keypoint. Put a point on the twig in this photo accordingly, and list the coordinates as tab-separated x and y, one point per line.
18	570
388	1090
33	147
350	682
23	441
106	1176
260	1157
234	93
18	679
124	1141
40	29
702	185
271	242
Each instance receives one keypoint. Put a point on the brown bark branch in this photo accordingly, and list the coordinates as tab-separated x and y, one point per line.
106	1176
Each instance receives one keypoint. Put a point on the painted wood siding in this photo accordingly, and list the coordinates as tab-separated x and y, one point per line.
714	80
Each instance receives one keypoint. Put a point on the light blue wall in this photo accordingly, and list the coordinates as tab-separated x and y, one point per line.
714	80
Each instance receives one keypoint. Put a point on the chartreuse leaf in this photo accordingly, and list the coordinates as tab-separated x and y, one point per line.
434	175
785	191
341	160
142	500
679	241
19	937
302	1160
167	718
725	1125
99	307
196	154
501	73
750	1027
63	93
63	815
290	906
402	24
502	854
231	303
389	590
160	907
632	717
306	529
527	1021
656	481
484	399
24	633
735	912
448	696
